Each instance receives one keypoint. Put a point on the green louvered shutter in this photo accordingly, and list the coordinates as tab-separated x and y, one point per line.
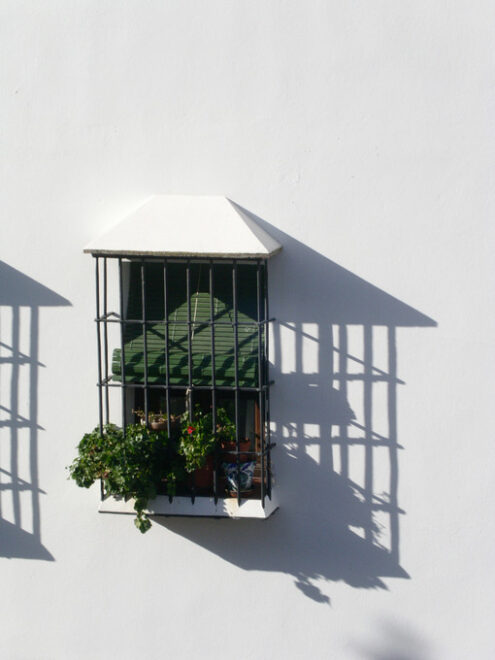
201	331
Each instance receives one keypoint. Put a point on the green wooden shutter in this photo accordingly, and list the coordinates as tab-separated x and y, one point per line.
201	335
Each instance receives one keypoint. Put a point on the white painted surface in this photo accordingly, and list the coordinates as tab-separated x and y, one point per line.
226	507
187	225
364	132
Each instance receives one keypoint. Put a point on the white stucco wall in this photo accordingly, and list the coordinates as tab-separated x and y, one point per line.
361	130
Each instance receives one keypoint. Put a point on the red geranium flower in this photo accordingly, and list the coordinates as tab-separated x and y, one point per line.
190	429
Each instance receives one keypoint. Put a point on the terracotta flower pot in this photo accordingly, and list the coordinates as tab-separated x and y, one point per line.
230	449
158	426
161	425
203	478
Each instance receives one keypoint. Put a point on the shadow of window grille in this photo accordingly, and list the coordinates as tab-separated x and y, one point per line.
20	520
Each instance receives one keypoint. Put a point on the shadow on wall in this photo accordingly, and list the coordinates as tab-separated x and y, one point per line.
393	642
334	418
20	301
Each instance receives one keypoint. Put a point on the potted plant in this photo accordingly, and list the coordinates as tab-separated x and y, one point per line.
236	467
158	421
226	436
131	465
198	442
229	449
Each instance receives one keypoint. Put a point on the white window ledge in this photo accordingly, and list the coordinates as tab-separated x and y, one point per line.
226	507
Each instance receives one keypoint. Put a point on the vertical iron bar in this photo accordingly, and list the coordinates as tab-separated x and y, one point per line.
145	340
105	338
122	348
260	382
167	365
213	380
189	338
266	401
189	355
98	337
236	372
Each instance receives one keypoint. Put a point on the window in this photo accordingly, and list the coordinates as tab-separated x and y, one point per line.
190	337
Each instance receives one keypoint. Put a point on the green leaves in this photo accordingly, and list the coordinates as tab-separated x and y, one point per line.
142	522
134	465
197	439
130	465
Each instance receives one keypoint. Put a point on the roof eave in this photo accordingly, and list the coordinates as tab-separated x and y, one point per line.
101	252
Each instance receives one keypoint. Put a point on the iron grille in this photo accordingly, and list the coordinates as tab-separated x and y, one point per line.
169	349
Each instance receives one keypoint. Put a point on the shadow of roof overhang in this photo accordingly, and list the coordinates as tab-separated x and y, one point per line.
16	543
318	289
20	290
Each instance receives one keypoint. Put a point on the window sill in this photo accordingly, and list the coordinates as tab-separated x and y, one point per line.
226	507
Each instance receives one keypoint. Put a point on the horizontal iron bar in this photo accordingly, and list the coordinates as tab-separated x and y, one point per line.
103	319
225	388
233	452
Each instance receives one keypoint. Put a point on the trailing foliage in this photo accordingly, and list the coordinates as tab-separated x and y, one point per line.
130	465
134	465
197	439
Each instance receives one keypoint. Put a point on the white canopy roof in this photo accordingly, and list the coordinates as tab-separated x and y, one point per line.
187	225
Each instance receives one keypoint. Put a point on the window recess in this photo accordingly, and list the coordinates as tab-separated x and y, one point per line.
189	337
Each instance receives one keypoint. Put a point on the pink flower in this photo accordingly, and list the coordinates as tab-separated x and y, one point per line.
190	429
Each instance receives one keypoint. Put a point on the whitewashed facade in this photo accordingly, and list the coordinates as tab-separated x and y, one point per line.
359	135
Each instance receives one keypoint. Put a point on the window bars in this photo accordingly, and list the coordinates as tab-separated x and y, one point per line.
232	342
